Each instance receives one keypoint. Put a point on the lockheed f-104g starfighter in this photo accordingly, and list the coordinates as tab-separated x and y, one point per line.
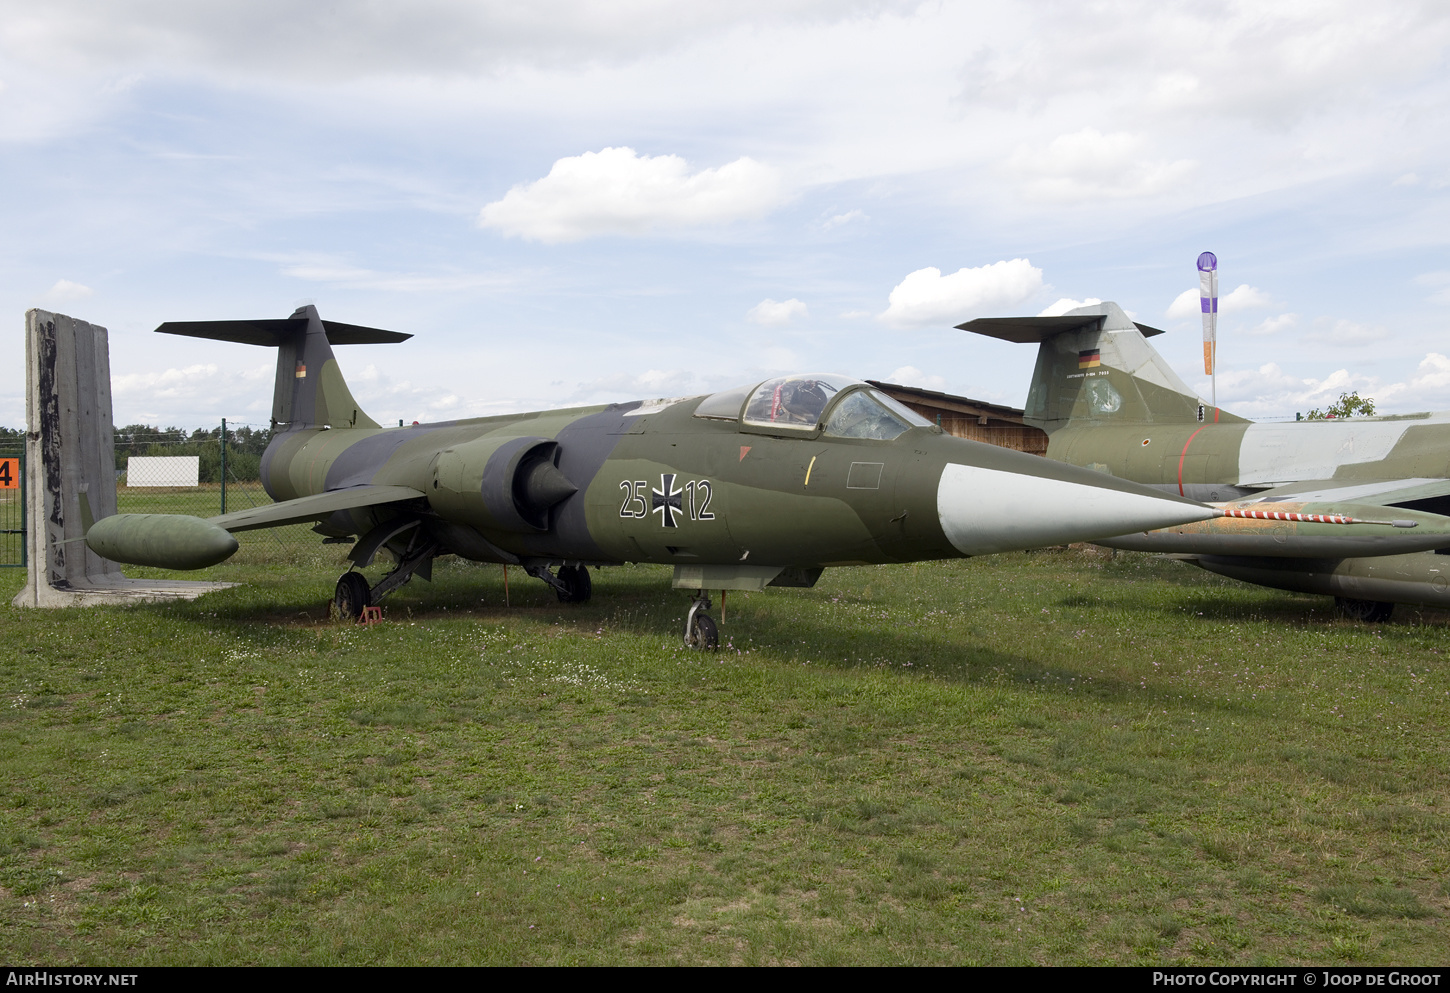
1356	508
764	485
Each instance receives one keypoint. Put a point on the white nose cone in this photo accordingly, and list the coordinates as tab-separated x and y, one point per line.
989	510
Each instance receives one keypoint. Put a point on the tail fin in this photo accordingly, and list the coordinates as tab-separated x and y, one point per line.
1095	367
310	391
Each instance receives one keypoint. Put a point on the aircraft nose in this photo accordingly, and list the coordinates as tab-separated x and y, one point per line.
985	510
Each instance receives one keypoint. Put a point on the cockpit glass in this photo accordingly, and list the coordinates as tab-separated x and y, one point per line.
901	410
793	401
873	415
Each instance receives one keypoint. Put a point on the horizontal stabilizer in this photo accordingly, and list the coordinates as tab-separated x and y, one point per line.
1026	330
313	508
271	333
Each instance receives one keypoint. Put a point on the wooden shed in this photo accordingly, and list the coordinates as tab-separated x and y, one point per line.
962	417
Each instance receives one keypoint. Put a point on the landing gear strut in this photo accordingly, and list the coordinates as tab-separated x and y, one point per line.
571	585
353	593
1368	611
701	633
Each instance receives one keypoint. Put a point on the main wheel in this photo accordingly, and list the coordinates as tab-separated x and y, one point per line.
1368	611
576	577
352	596
703	636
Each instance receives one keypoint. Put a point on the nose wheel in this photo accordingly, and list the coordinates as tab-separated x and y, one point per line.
701	634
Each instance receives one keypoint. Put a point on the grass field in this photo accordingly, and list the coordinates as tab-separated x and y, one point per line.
1057	757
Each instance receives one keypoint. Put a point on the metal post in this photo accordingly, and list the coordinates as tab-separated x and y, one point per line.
224	465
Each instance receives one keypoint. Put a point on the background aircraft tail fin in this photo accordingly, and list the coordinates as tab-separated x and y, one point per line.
310	390
1095	366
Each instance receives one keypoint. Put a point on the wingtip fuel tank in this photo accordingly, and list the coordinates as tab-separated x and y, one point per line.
165	541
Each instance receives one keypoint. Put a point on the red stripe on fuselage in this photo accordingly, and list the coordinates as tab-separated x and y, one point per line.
1184	455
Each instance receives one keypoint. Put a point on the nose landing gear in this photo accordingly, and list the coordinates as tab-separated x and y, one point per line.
701	634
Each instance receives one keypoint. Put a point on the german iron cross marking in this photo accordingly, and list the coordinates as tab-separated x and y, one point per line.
666	501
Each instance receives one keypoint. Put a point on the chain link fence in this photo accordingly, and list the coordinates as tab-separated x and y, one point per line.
12	505
228	470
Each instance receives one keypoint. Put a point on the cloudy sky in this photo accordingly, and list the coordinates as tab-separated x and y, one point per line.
572	202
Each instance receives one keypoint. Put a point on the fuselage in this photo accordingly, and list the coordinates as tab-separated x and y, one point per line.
1223	461
654	482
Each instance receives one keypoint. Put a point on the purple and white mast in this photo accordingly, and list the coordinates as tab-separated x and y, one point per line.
1208	300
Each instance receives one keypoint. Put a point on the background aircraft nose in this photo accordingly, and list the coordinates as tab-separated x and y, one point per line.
986	510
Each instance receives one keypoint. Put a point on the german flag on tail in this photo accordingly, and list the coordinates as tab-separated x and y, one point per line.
1089	359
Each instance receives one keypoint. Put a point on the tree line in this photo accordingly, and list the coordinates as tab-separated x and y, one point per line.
244	447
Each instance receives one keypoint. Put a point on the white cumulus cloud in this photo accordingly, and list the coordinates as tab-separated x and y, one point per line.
1065	304
910	375
837	220
1184	305
1243	297
1090	165
1269	391
65	290
1273	325
616	191
770	311
927	297
1428	388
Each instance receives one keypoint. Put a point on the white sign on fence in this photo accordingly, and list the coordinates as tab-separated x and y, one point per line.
166	470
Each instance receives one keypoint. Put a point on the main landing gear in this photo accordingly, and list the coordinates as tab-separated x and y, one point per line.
353	593
571	585
701	633
352	597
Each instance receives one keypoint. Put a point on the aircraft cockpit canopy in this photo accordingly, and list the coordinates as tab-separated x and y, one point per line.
798	403
872	414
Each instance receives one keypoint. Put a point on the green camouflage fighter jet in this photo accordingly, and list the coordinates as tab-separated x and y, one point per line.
1353	508
763	485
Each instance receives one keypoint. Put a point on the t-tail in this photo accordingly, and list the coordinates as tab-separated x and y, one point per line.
1095	368
310	391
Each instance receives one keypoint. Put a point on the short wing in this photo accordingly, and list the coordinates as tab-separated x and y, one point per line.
1429	495
315	507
